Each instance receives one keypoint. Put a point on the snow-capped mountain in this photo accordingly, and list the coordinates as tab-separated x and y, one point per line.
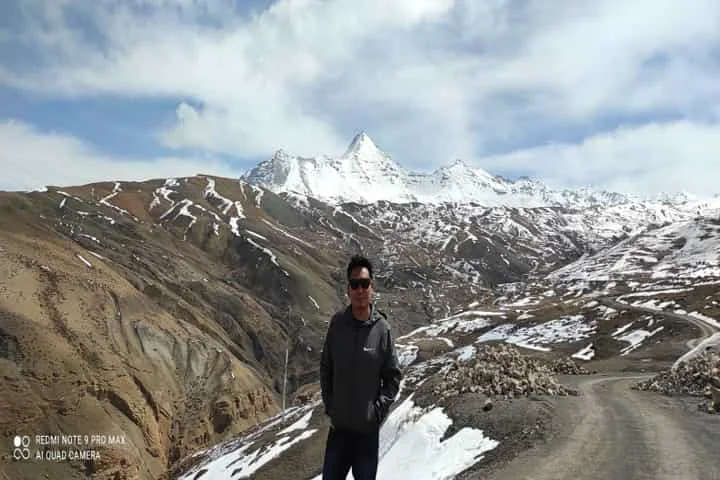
365	174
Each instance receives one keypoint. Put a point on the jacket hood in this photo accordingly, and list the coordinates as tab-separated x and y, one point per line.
375	315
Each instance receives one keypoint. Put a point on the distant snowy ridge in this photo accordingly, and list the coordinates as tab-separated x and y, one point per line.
365	174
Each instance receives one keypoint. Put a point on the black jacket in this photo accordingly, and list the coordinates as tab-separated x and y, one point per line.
359	371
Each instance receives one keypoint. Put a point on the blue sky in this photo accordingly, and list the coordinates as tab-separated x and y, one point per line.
620	95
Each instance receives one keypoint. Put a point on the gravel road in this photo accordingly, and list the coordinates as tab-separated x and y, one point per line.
612	432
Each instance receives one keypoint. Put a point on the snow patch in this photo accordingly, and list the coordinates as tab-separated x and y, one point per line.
314	302
293	237
210	193
88	264
267	252
301	424
586	353
407	354
466	353
566	329
636	338
256	235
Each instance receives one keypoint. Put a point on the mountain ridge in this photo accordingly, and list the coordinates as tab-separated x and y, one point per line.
364	173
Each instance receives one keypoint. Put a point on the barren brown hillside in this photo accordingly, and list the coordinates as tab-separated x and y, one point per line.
114	322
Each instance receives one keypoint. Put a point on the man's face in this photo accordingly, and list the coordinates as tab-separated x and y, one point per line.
360	297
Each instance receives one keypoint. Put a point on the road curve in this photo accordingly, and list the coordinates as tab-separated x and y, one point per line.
706	329
611	432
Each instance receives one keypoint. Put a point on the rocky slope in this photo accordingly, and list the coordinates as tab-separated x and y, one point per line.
154	311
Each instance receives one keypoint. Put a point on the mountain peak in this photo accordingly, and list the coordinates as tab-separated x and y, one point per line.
457	164
362	143
365	174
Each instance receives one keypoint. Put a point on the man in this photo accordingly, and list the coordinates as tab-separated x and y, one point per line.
359	377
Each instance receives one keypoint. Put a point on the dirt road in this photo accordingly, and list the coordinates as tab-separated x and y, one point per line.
612	432
706	329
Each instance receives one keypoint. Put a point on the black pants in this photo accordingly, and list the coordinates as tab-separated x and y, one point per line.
345	450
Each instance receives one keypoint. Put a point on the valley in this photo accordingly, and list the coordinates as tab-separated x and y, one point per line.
161	311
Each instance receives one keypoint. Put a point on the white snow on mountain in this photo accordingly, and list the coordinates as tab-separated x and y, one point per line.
366	174
687	249
537	337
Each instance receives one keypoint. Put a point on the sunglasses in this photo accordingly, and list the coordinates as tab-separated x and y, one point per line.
359	282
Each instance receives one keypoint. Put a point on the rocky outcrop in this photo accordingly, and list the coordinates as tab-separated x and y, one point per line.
500	371
699	376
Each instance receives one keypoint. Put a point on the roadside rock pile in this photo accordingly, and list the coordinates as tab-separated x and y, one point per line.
500	371
567	366
699	376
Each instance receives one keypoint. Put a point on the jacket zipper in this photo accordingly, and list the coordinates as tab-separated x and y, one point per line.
354	369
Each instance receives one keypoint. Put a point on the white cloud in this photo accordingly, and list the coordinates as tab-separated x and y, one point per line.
672	157
431	80
32	159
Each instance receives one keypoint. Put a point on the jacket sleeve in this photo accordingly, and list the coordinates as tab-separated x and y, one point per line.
326	372
390	377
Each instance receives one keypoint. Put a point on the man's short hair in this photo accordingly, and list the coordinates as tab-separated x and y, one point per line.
358	261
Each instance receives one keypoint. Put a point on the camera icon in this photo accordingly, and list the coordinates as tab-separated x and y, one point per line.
21	444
